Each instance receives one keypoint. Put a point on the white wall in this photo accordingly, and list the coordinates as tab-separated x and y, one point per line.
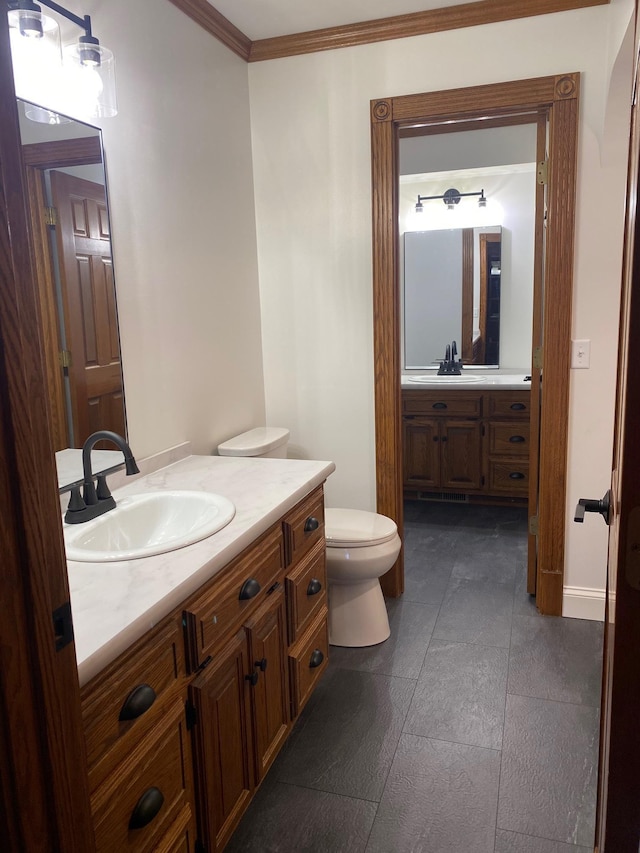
179	169
312	166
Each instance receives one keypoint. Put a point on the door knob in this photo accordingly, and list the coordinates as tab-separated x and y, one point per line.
603	506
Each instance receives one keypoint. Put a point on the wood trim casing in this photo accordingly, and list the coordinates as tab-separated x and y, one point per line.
367	32
63	152
43	785
557	97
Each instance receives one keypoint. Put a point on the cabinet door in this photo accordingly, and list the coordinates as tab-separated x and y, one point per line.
461	445
223	742
267	633
421	452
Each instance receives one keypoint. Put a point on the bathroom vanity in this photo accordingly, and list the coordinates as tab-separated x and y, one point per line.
183	722
469	443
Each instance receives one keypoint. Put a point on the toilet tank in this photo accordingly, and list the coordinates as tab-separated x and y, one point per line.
262	441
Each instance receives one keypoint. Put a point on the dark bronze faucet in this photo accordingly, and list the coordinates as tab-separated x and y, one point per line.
451	366
96	501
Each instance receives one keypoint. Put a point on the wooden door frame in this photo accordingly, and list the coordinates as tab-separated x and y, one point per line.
555	97
44	797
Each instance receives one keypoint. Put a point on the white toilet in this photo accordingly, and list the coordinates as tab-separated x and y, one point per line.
361	547
261	441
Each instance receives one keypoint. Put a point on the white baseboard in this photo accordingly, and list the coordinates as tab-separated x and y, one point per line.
580	602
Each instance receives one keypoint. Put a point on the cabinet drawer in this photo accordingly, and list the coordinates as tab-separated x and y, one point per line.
304	526
509	404
139	802
213	616
509	439
308	659
306	589
117	710
509	476
467	405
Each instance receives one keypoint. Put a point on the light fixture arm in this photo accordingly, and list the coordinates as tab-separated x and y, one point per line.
453	195
84	22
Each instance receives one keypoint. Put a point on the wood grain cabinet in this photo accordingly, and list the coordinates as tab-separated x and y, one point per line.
465	443
182	728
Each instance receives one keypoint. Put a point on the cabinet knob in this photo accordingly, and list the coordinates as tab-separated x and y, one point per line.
250	588
316	658
314	586
311	524
518	407
146	808
137	702
261	664
252	679
516	439
516	475
439	406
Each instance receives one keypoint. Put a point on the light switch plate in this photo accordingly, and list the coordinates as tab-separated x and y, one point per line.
580	354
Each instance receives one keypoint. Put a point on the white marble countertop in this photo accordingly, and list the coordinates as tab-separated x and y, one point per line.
114	604
508	379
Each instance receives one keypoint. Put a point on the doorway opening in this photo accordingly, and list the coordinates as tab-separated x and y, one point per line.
552	103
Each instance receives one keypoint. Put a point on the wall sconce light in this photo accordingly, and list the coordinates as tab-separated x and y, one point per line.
79	80
451	197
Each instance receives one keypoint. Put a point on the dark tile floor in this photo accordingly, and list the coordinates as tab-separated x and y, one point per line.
473	729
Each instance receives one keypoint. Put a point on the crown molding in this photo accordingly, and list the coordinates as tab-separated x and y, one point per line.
368	32
217	25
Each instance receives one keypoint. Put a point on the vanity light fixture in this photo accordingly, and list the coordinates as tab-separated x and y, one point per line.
451	197
79	80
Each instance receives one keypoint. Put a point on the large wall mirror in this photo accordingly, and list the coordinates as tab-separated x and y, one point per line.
451	292
467	269
68	209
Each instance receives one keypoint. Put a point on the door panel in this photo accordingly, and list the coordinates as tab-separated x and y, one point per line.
86	270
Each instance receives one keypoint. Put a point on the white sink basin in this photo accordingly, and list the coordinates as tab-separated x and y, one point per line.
445	380
147	524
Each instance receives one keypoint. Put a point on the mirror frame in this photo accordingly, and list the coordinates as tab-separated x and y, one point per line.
556	99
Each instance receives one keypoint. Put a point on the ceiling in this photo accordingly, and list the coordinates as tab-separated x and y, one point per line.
259	19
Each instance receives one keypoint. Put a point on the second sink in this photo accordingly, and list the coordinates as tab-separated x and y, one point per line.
147	524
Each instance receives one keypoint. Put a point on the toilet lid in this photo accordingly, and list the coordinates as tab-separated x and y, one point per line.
353	528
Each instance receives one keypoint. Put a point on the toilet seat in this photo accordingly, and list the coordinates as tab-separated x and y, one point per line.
357	528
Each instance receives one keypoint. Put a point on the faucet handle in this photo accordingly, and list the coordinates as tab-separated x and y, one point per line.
102	490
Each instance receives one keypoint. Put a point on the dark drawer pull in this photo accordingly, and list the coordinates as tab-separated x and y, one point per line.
137	702
311	524
252	679
249	589
516	475
518	407
435	438
316	658
146	808
516	439
261	664
439	406
314	586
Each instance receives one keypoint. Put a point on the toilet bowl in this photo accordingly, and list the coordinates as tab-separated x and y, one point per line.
361	547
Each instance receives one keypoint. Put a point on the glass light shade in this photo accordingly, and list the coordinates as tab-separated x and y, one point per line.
90	89
36	58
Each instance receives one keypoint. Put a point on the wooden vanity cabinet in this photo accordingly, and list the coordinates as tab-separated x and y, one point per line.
442	437
182	728
466	442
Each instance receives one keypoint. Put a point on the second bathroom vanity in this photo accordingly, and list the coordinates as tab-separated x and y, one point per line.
469	440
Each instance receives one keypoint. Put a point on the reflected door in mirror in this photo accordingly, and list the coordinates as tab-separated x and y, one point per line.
88	292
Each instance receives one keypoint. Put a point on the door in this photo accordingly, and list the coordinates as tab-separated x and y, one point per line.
223	744
88	294
267	633
618	824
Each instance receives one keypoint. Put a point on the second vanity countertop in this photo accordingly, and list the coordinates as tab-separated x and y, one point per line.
114	604
480	380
